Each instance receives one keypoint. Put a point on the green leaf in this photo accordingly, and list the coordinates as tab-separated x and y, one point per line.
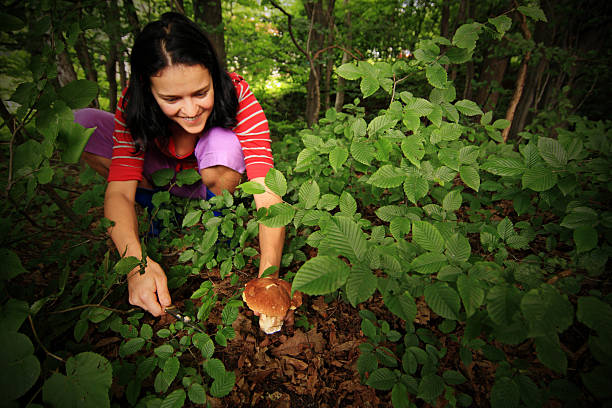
276	182
436	75
458	248
321	275
369	85
9	22
401	305
125	265
596	315
585	238
469	175
163	177
413	150
170	370
443	300
399	396
252	187
539	178
552	152
278	215
78	94
131	346
472	294
503	303
176	399
360	284
467	35
546	311
86	383
452	201
430	387
453	377
12	265
415	187
502	23
187	177
309	194
223	385
468	108
505	229
348	205
343	236
428	263
349	71
337	157
20	368
501	124
427	236
192	218
197	394
381	379
468	154
359	127
362	151
13	313
164	351
579	217
205	344
71	141
504	166
387	176
551	354
533	12
505	393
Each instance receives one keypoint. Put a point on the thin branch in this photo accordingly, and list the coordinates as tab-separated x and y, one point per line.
71	309
50	354
316	55
289	17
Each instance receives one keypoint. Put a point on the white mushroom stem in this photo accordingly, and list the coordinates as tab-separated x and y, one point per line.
270	324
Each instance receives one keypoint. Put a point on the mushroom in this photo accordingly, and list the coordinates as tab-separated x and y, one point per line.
271	298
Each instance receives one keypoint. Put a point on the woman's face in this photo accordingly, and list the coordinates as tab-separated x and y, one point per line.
185	94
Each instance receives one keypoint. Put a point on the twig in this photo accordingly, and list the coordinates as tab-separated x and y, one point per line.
71	309
50	354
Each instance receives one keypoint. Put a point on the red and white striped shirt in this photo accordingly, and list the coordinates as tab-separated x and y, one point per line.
251	129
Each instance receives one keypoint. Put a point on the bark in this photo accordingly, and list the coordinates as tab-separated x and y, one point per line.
132	17
86	61
492	75
111	59
463	6
208	12
314	11
329	64
65	69
339	103
520	83
444	20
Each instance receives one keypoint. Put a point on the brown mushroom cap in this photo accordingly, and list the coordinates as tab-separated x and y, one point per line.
267	296
271	298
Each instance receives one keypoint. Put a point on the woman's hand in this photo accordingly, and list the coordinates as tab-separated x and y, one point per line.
150	289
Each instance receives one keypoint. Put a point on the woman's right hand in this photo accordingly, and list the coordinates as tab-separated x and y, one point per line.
150	289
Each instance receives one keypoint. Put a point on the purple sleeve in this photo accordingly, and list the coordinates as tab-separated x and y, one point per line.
219	147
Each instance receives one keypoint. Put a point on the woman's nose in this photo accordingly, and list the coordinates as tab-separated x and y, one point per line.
190	107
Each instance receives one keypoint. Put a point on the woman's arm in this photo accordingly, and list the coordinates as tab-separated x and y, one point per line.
271	240
149	290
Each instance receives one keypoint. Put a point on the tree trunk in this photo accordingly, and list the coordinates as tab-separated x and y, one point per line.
463	6
520	83
345	58
111	59
444	20
132	17
84	56
499	70
65	69
329	63
208	12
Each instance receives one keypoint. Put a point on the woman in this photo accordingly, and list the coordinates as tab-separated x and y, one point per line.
177	112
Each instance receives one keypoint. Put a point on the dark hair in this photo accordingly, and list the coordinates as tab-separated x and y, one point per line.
173	39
